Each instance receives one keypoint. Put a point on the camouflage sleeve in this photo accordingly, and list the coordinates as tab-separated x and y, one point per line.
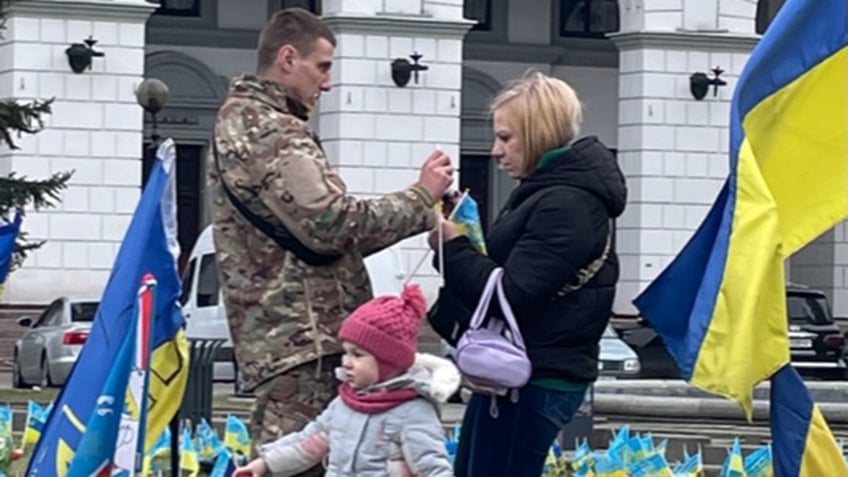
298	186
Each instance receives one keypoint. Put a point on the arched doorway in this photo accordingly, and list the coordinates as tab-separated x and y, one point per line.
477	172
196	93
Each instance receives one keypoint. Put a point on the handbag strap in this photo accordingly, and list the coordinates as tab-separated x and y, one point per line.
586	274
485	299
509	316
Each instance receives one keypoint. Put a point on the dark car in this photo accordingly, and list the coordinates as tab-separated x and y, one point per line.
817	345
816	342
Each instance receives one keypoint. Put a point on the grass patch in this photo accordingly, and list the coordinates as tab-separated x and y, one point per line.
21	396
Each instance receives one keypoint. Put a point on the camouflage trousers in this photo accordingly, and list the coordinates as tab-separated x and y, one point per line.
286	403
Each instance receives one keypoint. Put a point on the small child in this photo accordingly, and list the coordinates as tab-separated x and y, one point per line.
385	422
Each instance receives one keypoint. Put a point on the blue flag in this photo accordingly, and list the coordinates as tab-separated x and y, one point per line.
8	234
148	247
94	454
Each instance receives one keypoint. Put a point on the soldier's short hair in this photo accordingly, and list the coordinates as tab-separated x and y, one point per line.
292	26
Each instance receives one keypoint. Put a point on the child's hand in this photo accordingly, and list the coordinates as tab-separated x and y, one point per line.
256	468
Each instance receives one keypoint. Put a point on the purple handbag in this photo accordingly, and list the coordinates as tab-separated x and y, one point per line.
492	358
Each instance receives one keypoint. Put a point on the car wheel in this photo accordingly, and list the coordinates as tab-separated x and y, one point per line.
17	379
46	381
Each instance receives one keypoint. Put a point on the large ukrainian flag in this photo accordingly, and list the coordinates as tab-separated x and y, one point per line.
721	306
148	247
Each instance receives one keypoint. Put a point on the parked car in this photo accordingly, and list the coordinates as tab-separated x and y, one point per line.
617	359
203	304
816	344
48	349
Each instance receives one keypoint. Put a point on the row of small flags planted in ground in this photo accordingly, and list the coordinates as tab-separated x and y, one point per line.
205	448
637	456
627	455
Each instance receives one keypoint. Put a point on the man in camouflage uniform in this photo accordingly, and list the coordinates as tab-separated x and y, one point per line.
284	313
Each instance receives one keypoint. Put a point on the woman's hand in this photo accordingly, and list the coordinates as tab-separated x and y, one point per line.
449	232
256	468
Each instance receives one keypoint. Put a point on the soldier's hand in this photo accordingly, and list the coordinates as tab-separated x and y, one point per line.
436	174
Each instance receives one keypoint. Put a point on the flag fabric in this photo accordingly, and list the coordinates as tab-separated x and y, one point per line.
734	464
129	452
224	465
148	247
236	436
466	215
720	306
36	416
189	461
8	235
95	453
802	443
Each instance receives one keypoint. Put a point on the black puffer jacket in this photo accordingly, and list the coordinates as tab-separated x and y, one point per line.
554	223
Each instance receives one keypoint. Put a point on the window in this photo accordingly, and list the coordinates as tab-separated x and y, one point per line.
188	277
480	10
766	11
313	6
808	309
84	311
207	282
592	18
52	316
179	8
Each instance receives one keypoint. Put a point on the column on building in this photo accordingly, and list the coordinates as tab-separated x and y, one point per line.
376	133
672	147
94	130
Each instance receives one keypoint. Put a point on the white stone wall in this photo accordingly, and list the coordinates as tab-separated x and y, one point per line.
673	149
376	133
95	129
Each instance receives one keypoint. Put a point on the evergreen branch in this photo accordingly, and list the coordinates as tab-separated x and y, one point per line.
20	192
21	118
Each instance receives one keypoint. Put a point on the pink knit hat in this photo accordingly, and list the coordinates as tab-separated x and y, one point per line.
387	327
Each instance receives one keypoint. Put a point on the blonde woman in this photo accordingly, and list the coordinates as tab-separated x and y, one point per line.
552	239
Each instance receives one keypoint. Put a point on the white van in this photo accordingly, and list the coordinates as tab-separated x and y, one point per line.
203	305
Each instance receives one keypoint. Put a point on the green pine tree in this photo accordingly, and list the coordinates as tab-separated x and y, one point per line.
16	119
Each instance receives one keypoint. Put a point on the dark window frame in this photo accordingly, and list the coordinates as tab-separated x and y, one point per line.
195	11
562	19
277	5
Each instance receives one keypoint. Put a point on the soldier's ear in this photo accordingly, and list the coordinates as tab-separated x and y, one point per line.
285	57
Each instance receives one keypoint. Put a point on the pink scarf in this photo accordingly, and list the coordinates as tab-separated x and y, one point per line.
375	402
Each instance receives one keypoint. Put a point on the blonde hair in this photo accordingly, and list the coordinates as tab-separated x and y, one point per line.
543	111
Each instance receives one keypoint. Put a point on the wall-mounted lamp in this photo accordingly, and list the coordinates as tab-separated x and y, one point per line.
402	69
699	83
80	55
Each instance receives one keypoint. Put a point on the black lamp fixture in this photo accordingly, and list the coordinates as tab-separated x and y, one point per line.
402	69
699	83
152	95
80	54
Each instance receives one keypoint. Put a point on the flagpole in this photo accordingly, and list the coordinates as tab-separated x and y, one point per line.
149	281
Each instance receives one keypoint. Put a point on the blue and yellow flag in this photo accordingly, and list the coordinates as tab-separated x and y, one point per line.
720	306
148	247
802	443
36	417
8	235
236	436
189	461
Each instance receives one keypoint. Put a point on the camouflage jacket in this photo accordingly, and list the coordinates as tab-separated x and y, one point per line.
281	311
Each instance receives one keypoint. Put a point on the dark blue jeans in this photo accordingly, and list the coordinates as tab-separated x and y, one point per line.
517	441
